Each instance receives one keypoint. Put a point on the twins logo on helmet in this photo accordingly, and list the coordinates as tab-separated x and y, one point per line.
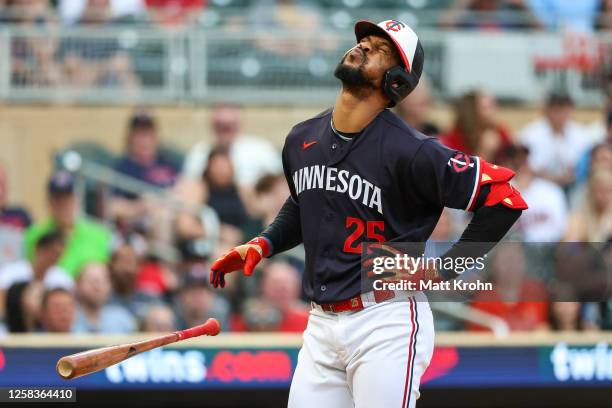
394	25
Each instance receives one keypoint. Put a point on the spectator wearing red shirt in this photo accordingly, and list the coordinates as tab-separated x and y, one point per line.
175	12
476	129
278	308
516	298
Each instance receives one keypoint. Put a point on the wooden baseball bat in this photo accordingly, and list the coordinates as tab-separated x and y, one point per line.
90	361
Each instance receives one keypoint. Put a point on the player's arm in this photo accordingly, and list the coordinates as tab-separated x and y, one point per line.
470	183
488	226
284	233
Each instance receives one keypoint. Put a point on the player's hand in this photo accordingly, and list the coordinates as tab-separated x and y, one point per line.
243	257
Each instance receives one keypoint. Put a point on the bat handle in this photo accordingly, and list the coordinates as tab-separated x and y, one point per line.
210	328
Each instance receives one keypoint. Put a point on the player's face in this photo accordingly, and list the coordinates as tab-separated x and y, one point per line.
365	64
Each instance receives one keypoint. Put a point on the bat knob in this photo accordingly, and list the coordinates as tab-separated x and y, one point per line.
215	326
65	368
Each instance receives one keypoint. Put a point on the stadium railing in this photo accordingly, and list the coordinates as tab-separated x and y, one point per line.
140	64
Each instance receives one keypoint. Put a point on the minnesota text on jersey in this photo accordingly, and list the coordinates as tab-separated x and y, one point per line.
330	179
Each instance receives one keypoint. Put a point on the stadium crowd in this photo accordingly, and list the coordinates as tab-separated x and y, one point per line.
79	275
147	269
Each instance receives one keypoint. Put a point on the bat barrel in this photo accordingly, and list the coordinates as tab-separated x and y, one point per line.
66	368
90	361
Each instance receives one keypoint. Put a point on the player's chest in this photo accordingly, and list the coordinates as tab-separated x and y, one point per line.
340	171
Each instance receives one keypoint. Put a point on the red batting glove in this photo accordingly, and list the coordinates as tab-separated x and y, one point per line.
243	257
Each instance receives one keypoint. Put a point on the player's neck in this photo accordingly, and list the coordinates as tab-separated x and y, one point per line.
352	115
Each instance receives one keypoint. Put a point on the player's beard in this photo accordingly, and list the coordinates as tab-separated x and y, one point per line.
354	80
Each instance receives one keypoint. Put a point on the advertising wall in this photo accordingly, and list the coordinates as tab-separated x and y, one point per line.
197	368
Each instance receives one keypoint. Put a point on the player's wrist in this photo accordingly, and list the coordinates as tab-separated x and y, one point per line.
263	243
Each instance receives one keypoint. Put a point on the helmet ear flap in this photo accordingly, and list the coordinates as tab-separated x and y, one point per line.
398	83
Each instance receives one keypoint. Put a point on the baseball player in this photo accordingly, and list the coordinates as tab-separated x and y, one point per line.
357	174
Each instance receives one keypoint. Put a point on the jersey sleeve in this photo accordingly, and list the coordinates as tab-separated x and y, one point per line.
444	177
287	172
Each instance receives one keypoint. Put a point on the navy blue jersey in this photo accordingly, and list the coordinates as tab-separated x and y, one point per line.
389	183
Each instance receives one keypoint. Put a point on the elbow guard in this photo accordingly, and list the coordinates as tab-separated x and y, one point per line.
498	177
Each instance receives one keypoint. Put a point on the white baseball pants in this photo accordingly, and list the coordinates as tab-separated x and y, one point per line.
366	359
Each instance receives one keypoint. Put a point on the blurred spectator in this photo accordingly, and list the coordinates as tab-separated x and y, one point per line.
57	311
143	159
271	192
604	18
11	216
415	109
279	307
598	158
144	162
27	12
596	315
600	150
223	192
258	315
252	157
94	313
476	129
33	57
20	317
197	229
196	302
90	61
281	285
555	141
124	267
565	316
195	259
71	11
591	282
546	218
175	12
42	269
489	15
566	15
156	278
289	15
516	298
85	240
592	220
159	318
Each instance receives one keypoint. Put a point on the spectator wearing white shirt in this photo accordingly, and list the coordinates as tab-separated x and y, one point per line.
251	157
555	141
41	272
546	218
